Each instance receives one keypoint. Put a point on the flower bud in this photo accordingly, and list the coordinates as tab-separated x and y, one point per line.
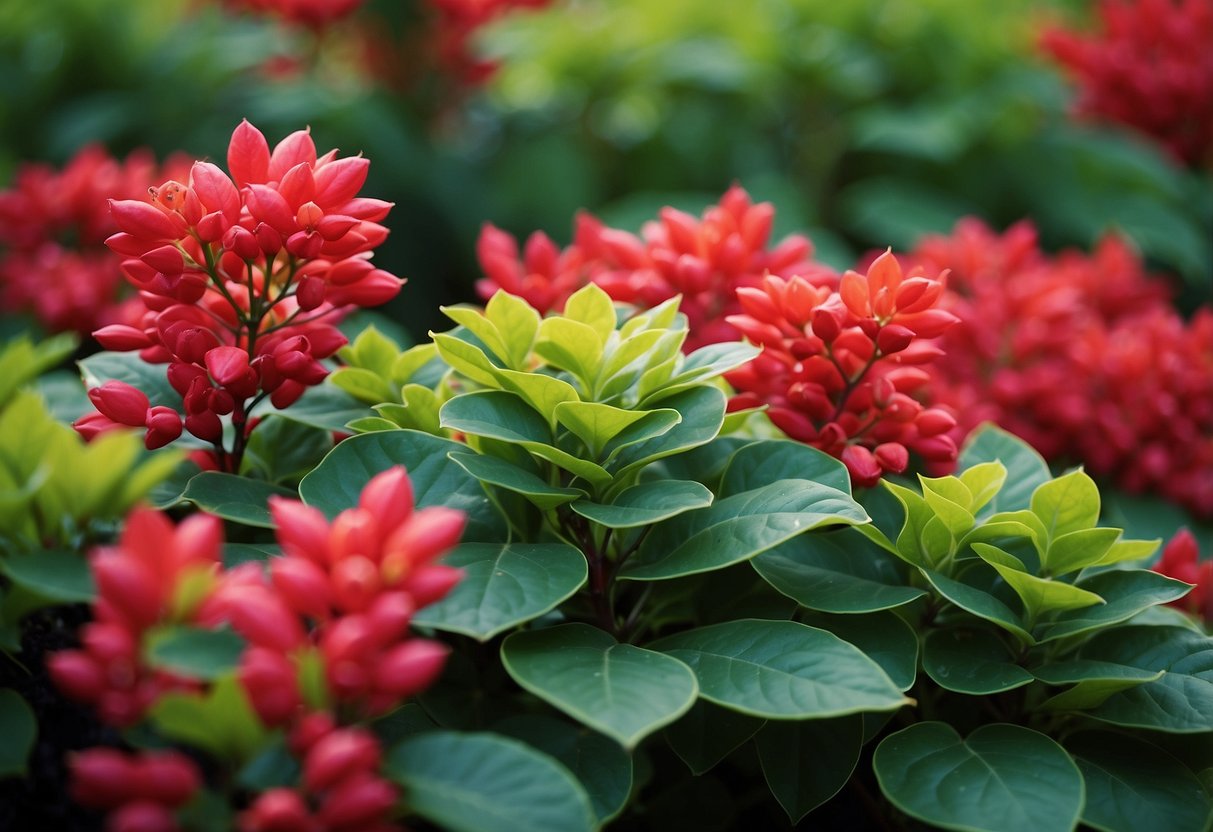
101	778
862	465
357	803
166	777
163	426
142	816
338	755
411	667
121	402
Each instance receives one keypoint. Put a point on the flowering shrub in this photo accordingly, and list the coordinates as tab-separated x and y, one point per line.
322	640
1045	346
1148	67
243	278
53	224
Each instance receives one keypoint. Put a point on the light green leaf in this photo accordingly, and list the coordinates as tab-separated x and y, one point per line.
1134	785
517	323
736	528
234	498
484	782
19	727
1067	504
592	306
1126	592
596	424
220	720
647	503
498	472
1002	778
1039	595
1026	469
626	692
1078	549
972	661
484	330
702	411
782	670
839	572
918	514
466	359
572	346
503	586
983	481
364	385
1126	550
799	774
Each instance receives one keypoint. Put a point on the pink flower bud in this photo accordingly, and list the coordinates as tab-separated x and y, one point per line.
229	367
163	426
165	259
121	402
205	425
145	221
166	777
122	338
271	682
309	216
390	614
309	294
411	667
242	243
862	465
278	810
427	534
302	530
939	448
356	582
892	456
268	238
101	778
893	338
934	421
77	674
338	755
130	587
305	245
357	803
142	816
303	585
263	618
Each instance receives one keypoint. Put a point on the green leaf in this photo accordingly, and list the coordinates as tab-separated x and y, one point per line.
1078	549
541	392
980	603
766	461
282	451
504	585
653	425
1039	595
702	411
220	721
193	652
274	767
596	424
338	480
324	406
1069	503
128	367
626	692
517	323
372	350
58	576
572	346
485	331
782	670
1002	778
736	528
1133	785
971	660
799	774
1126	592
983	480
840	571
918	515
592	306
884	637
1026	469
1094	682
647	503
498	472
234	498
708	733
484	782
1181	701
604	769
466	358
364	385
19	727
1126	550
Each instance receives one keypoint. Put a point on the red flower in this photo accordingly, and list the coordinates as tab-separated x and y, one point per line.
1181	560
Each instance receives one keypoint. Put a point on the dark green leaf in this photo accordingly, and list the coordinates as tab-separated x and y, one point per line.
971	660
194	653
1126	593
702	411
761	463
647	503
19	727
62	577
807	763
234	498
498	472
708	733
504	585
625	692
487	783
884	637
980	603
1003	778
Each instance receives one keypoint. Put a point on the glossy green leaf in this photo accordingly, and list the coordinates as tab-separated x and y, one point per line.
282	452
19	727
1026	469
1126	592
702	411
498	472
1039	595
980	603
840	571
918	514
485	331
485	782
338	480
323	406
646	503
57	576
234	498
595	424
372	350
517	322
807	763
1067	504
971	660
128	367
708	733
193	652
504	585
466	359
572	346
626	692
541	392
983	481
1181	701
652	426
1078	549
1134	785
1002	778
1093	682
782	670
592	306
364	385
1126	550
736	528
884	637
763	462
273	767
601	765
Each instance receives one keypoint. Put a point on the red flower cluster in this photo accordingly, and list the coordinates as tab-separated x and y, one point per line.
341	596
1150	68
53	224
316	14
1081	356
1181	560
455	25
140	791
841	370
339	775
242	278
705	260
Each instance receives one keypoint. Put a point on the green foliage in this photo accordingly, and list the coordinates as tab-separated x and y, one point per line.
20	729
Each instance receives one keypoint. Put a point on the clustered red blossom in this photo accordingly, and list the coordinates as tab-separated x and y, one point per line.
315	14
1181	560
1081	355
842	370
53	226
140	790
341	594
705	260
243	279
1150	67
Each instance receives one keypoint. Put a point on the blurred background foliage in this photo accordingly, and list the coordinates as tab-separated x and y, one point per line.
867	123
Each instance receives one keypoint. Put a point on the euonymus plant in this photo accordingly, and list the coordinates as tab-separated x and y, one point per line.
641	578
